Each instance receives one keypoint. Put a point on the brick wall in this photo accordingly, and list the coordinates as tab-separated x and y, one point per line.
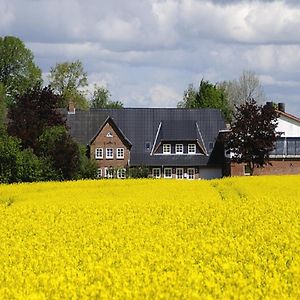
278	167
103	141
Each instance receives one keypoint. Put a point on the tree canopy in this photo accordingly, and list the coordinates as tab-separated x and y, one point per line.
247	87
101	99
253	134
208	95
32	113
18	71
69	80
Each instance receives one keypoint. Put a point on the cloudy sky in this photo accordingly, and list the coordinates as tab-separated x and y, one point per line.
146	52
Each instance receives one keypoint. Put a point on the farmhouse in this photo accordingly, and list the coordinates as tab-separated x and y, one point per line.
171	142
285	158
174	143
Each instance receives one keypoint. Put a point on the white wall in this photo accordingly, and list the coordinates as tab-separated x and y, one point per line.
290	127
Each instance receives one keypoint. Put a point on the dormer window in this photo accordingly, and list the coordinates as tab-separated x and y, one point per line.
191	148
179	149
166	148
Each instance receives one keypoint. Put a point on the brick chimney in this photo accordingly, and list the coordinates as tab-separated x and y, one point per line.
281	106
71	108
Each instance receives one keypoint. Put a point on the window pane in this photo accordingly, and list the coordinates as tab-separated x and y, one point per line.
168	173
99	153
109	153
191	148
156	173
179	173
179	148
167	148
191	173
297	147
291	147
280	147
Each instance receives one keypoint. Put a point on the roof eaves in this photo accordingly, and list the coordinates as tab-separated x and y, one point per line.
288	115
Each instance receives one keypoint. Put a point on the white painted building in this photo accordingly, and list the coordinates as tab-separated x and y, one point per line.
288	125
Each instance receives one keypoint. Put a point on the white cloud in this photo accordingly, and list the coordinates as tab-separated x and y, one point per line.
147	51
6	15
163	96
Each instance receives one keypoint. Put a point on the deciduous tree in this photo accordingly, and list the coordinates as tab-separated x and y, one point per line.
253	135
69	80
32	113
247	87
18	72
101	99
208	95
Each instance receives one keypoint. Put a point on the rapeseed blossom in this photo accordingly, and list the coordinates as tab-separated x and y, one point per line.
151	239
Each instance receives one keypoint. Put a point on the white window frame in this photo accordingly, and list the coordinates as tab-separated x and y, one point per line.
176	150
99	173
188	174
182	173
189	148
98	153
167	169
109	172
112	153
168	146
122	150
153	173
121	173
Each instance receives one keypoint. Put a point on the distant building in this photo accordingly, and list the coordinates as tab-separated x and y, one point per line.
174	143
171	142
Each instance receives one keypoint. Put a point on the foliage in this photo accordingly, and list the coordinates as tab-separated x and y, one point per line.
208	95
139	172
151	239
32	113
18	71
88	167
69	79
2	108
56	144
247	87
253	135
101	99
17	165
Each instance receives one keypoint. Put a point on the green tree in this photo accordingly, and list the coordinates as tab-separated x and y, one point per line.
2	108
69	80
18	71
17	165
56	144
101	99
32	113
208	95
253	134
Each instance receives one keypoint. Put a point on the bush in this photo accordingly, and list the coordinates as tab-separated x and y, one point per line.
139	172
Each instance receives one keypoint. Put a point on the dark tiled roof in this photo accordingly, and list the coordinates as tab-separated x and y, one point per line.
140	125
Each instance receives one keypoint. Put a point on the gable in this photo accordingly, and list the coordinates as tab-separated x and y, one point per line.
289	126
110	133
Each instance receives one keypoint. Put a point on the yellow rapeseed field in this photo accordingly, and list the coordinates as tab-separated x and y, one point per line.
235	238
